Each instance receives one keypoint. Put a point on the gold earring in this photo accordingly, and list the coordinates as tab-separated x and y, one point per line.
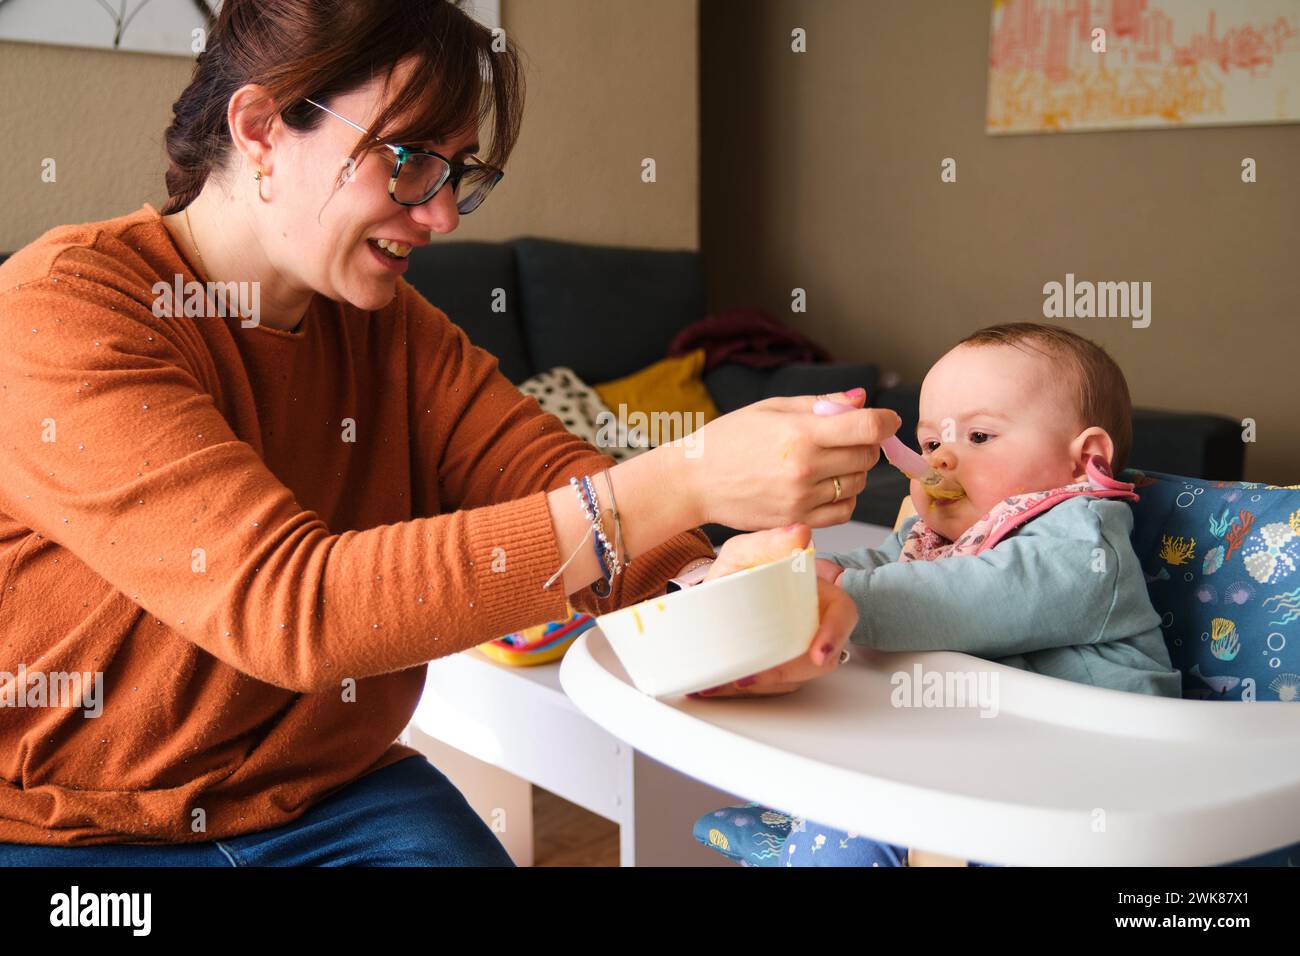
257	177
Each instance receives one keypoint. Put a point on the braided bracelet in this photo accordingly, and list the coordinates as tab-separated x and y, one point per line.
611	553
605	554
600	588
594	517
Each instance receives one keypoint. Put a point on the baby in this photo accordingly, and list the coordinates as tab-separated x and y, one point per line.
1033	566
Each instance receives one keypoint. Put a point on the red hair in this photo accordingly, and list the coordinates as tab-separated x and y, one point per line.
317	49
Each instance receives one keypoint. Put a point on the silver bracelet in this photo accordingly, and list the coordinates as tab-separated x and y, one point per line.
618	521
611	562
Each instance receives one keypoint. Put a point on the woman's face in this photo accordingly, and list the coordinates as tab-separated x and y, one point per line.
322	234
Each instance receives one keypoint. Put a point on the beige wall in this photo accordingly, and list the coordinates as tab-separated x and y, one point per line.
99	115
610	83
821	171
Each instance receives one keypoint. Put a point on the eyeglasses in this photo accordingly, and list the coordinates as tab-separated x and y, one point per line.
418	174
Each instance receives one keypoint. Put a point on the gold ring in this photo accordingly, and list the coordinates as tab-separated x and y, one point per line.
838	490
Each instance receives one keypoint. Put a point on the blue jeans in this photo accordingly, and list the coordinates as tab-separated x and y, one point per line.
405	814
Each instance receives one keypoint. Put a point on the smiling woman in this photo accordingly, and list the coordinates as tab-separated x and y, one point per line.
259	532
255	123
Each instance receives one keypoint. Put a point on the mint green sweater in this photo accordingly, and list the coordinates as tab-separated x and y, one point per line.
1063	596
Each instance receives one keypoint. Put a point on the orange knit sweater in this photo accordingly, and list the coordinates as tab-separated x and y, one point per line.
182	512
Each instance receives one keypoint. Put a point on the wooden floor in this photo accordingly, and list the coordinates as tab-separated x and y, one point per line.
565	834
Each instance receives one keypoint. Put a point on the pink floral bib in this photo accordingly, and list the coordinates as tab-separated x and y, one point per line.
924	544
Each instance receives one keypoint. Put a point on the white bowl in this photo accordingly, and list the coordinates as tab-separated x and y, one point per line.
720	630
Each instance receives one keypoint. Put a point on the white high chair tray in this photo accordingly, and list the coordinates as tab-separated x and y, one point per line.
1063	774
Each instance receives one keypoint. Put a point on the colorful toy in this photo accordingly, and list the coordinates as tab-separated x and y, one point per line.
540	644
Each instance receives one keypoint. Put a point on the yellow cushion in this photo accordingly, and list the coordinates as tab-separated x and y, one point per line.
673	385
905	511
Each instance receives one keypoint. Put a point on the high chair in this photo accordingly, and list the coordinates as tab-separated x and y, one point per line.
1067	773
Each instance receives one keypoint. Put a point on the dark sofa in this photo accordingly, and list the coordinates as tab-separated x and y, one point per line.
607	312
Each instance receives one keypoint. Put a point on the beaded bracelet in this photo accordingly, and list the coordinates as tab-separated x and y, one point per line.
602	587
607	555
596	543
609	561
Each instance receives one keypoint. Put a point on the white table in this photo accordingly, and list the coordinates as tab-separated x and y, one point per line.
497	730
1063	774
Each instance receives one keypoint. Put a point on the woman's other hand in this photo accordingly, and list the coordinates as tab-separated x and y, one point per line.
837	614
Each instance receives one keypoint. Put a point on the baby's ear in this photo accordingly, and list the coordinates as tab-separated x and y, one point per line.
1089	442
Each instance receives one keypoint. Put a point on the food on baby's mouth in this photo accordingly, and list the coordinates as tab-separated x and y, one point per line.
914	466
904	459
946	490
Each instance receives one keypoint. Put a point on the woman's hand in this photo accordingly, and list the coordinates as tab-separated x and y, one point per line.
743	551
775	462
837	614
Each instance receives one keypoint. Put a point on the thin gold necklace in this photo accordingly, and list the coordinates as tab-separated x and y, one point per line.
193	241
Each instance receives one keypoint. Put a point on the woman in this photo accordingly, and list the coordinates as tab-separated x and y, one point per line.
258	524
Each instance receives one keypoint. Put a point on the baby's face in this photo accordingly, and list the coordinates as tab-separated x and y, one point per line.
998	420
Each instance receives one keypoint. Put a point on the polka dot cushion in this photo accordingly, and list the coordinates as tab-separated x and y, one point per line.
571	400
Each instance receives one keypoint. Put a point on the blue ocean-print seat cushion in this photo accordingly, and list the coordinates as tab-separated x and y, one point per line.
750	834
1222	563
